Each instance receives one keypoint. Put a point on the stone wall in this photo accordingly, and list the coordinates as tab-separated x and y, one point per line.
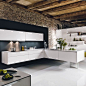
13	13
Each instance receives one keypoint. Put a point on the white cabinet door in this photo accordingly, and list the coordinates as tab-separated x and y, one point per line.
34	36
68	56
35	51
12	35
20	36
18	59
14	54
34	56
51	54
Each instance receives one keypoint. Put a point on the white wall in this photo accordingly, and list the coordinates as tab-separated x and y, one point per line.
64	34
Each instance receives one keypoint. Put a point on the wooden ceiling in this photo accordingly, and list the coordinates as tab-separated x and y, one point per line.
73	11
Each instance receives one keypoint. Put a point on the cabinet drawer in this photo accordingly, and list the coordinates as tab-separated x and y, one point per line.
52	54
34	56
18	59
17	53
68	56
35	51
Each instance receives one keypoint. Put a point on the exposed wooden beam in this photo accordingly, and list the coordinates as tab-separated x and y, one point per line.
66	6
70	10
40	3
54	5
71	14
82	22
79	25
9	1
74	18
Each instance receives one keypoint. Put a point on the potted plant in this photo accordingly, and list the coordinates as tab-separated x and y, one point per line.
61	42
64	45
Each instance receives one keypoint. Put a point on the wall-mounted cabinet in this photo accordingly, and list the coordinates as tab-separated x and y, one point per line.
12	35
34	36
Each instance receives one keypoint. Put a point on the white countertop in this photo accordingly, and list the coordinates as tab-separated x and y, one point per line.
27	50
65	50
49	49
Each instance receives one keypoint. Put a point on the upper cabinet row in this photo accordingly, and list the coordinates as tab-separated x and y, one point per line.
20	36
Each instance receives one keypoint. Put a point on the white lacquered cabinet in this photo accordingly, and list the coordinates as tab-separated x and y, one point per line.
34	36
36	54
17	59
68	56
71	56
14	57
52	54
22	56
12	35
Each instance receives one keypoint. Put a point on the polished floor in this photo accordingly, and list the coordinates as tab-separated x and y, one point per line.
55	73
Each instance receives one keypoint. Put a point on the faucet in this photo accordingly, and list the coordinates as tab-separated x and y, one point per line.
34	47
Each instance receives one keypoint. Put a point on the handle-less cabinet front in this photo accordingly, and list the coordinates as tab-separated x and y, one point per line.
12	35
68	56
34	36
52	54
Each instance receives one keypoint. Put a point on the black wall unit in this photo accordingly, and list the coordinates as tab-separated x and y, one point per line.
11	25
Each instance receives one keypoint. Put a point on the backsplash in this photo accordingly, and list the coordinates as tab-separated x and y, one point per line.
6	45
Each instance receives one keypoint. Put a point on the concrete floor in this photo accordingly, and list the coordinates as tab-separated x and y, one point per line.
55	73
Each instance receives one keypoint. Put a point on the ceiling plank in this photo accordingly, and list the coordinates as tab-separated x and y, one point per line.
40	3
9	1
71	14
70	10
54	4
74	18
79	22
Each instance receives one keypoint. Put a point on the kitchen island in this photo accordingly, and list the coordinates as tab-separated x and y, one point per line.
72	56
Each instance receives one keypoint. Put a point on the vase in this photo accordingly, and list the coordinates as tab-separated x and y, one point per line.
61	47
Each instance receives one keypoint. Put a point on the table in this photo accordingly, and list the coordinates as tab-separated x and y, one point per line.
24	80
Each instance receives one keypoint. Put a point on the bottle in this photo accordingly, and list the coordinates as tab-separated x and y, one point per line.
22	48
25	47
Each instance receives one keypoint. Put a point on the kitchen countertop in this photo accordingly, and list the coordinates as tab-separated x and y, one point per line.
27	50
65	50
49	49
